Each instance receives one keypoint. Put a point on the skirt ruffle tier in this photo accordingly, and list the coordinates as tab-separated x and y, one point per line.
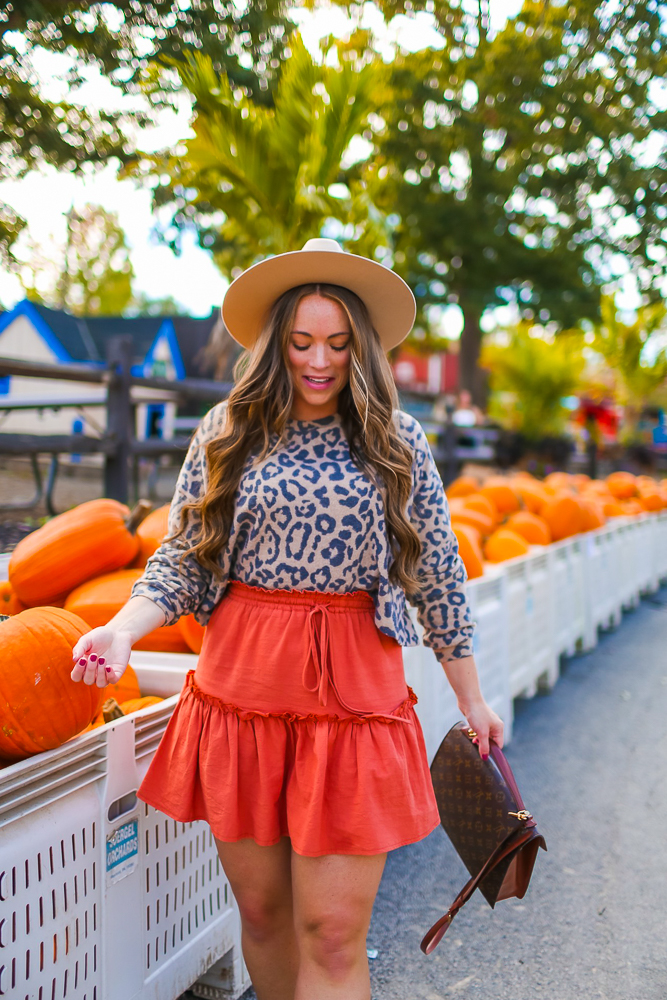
334	782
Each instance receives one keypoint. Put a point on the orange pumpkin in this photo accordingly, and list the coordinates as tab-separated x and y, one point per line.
596	491
500	493
592	514
138	703
563	515
98	600
150	533
631	507
82	543
9	602
532	493
462	487
192	632
113	710
470	550
650	500
126	688
560	481
534	529
622	485
482	504
612	508
505	544
481	522
41	707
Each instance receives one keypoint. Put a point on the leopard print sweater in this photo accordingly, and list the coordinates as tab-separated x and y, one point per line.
307	518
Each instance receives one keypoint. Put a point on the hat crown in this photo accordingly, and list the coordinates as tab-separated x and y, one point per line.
322	243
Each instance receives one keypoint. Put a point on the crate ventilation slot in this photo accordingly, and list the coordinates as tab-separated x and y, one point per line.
38	782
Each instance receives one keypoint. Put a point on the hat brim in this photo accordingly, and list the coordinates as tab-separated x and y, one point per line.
389	300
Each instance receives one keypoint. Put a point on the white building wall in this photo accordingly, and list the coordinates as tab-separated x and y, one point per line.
21	340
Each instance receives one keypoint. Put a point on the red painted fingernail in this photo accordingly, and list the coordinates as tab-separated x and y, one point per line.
82	663
485	756
93	657
108	669
101	660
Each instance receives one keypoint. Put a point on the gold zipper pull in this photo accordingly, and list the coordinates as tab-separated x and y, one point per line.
522	814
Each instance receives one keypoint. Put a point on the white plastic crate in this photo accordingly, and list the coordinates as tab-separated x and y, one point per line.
533	661
103	897
51	881
602	564
487	596
540	614
436	709
518	640
648	579
638	573
660	546
569	596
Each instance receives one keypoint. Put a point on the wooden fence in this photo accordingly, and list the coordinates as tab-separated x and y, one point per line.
118	443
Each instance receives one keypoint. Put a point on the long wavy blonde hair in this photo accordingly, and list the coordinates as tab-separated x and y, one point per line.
261	404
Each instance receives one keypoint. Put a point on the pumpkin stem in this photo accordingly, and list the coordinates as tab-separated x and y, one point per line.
111	710
138	513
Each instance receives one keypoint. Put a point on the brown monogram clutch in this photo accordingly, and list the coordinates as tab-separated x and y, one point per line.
484	816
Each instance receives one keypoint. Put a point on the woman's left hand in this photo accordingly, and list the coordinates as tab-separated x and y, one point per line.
487	725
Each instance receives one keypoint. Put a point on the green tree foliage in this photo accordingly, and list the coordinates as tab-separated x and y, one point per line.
631	352
134	45
143	305
258	180
91	275
517	164
529	377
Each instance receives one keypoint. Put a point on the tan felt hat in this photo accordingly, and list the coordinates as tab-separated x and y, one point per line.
390	302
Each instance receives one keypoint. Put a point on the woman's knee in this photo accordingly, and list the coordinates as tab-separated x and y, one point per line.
260	878
264	914
333	941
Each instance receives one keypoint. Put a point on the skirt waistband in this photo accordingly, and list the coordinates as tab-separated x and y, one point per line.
357	600
318	674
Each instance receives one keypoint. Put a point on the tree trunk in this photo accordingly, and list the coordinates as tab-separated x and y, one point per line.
470	375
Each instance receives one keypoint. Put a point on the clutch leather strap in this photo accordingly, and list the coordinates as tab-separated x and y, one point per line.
484	815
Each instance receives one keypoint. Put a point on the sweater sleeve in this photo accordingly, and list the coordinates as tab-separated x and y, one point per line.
441	603
176	582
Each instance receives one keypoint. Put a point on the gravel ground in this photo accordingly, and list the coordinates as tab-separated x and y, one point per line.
590	759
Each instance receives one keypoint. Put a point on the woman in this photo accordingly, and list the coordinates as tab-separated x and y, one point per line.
307	508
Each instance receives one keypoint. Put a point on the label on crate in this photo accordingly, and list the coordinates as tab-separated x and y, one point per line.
530	604
122	851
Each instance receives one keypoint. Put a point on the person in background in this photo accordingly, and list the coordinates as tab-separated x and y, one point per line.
466	414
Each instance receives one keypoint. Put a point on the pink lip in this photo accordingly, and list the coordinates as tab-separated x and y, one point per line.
318	385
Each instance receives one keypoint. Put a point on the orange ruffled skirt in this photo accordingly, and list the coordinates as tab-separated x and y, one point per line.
297	722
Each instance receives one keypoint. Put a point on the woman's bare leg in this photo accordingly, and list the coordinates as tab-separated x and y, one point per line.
261	881
333	901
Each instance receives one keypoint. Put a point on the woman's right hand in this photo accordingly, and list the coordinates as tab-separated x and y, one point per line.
101	656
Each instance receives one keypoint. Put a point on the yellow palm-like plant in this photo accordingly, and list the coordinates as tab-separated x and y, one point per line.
257	179
529	378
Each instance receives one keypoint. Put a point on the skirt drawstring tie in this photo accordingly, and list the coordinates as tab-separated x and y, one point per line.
320	656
